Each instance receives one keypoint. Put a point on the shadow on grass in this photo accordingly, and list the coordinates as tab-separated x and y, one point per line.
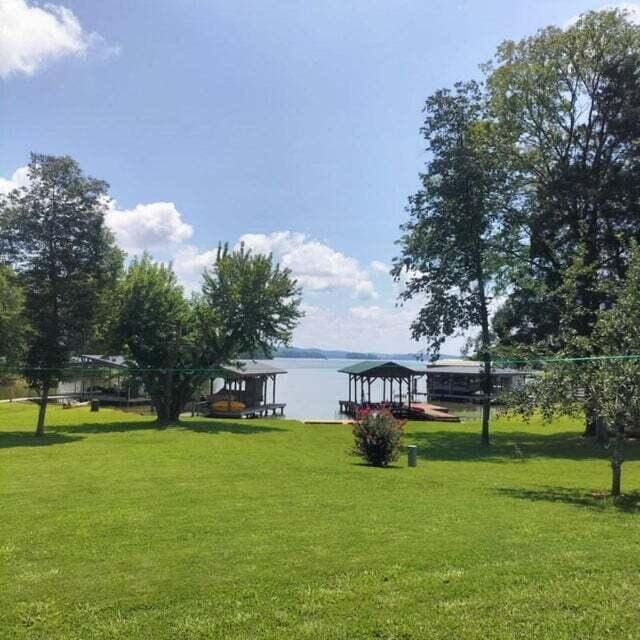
210	427
629	503
512	446
12	439
373	466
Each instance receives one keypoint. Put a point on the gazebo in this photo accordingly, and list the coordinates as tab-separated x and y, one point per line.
377	384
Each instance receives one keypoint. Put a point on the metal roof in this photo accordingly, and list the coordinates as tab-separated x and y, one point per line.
250	369
109	361
471	371
453	362
378	367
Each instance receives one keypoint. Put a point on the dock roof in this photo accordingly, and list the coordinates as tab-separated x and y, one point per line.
250	369
381	369
470	370
107	361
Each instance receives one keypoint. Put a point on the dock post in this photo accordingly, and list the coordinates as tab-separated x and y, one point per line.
412	455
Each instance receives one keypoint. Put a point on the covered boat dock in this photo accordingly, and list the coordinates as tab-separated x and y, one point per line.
248	390
377	384
462	380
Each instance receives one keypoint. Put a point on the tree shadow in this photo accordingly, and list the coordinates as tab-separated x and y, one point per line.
368	465
210	427
513	446
240	428
12	439
599	501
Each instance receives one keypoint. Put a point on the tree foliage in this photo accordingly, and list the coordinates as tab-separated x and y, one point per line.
247	306
568	98
53	235
607	381
457	242
13	325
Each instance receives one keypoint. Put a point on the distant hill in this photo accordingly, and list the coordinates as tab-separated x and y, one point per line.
325	354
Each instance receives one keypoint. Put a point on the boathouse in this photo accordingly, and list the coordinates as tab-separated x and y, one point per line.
103	377
248	390
462	380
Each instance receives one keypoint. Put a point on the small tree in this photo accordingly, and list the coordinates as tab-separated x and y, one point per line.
456	242
606	381
12	322
377	436
52	232
175	344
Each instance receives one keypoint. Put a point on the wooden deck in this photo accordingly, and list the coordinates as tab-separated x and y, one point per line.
261	411
416	411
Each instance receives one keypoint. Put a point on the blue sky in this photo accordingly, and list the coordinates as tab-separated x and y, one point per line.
293	125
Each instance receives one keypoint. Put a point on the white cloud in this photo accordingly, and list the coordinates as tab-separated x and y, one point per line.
631	9
20	178
189	263
363	328
32	35
157	225
380	267
316	266
366	328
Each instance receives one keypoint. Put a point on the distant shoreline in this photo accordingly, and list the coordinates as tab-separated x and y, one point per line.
336	354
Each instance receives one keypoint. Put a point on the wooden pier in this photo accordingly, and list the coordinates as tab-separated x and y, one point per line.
415	411
261	411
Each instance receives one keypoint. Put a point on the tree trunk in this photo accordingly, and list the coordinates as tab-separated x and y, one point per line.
486	356
167	414
590	423
602	431
486	401
617	458
167	402
44	398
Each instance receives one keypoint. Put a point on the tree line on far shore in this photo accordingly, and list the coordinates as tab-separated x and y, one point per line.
64	290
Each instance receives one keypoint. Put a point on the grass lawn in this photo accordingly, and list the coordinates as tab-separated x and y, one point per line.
269	529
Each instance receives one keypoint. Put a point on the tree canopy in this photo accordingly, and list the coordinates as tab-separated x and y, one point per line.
569	100
246	306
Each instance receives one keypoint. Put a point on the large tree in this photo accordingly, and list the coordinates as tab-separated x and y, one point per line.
570	99
52	233
457	240
174	343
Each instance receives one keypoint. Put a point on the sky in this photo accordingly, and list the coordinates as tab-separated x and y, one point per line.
291	126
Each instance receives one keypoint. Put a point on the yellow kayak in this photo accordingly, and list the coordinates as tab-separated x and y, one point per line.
227	406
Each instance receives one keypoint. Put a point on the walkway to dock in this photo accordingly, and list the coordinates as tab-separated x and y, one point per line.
434	412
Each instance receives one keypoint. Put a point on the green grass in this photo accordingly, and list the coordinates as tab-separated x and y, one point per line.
270	529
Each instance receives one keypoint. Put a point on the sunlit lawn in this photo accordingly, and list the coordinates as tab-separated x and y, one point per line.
270	529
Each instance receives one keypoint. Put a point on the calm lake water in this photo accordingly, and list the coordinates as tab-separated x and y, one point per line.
311	387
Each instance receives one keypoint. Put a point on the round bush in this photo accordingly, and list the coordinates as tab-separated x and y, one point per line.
377	436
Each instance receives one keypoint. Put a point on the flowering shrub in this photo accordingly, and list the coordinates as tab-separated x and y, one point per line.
377	436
